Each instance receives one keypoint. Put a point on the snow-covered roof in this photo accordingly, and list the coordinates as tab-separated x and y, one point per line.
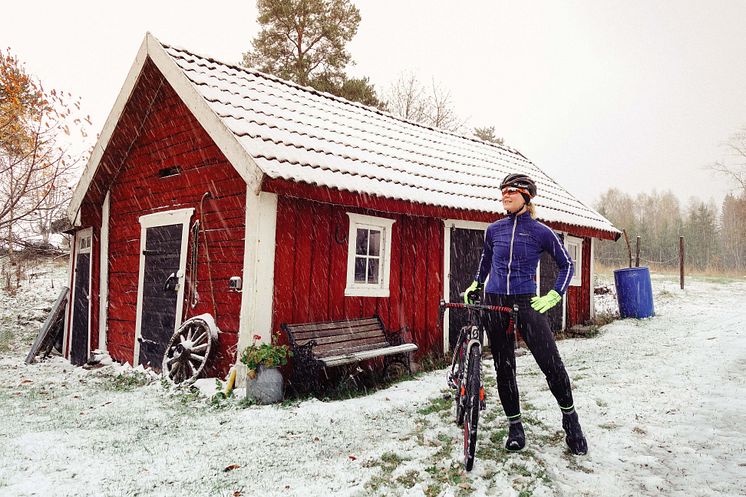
299	134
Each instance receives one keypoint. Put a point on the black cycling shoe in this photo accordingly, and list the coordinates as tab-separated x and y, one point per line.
574	434
516	437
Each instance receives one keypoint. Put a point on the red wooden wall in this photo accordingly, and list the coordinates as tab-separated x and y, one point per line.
167	135
311	270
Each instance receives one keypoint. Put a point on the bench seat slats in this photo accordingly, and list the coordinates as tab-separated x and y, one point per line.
370	354
334	349
309	335
331	325
347	337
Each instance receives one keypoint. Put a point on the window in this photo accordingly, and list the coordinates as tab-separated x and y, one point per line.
84	244
368	256
574	247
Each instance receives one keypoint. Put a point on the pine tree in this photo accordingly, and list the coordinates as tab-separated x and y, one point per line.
305	41
487	133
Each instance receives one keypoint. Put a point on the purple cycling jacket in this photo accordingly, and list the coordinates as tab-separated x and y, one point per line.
512	248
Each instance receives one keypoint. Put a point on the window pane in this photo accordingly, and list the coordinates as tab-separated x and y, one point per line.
361	246
373	271
360	269
375	242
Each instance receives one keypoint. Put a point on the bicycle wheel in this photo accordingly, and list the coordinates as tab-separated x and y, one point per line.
460	384
472	405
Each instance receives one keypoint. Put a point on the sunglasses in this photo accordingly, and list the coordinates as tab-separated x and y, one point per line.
511	190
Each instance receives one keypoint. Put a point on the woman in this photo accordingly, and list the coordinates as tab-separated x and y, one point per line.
512	248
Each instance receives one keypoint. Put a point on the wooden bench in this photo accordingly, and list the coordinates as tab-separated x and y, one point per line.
321	345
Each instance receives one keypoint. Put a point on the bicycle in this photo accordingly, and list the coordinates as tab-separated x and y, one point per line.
465	373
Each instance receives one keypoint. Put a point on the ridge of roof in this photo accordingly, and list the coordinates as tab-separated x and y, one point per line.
331	96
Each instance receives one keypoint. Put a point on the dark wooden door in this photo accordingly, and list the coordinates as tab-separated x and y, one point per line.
81	301
160	290
466	251
547	279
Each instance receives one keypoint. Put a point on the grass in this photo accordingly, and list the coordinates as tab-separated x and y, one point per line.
5	339
388	462
438	404
127	382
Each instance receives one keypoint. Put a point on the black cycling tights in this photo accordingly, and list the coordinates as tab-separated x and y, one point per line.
535	330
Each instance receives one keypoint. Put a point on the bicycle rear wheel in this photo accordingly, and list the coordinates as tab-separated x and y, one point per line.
471	419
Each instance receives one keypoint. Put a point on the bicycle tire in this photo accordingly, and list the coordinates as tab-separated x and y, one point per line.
471	418
460	384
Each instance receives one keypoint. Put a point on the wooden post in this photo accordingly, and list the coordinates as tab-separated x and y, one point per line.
637	253
629	249
681	261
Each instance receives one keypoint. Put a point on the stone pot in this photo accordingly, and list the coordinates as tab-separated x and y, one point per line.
267	387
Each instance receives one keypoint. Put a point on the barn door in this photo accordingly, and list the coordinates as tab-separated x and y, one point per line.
548	272
81	299
466	250
161	292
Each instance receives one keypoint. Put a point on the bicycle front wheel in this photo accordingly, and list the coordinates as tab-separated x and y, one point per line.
461	384
471	416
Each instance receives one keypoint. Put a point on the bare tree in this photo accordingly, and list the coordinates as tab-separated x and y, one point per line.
411	100
734	165
36	165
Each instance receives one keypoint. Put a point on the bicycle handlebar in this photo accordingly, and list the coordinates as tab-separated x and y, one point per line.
480	307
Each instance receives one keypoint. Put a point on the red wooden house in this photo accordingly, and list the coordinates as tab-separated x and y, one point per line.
207	172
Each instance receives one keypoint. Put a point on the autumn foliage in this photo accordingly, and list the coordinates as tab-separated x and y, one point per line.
37	166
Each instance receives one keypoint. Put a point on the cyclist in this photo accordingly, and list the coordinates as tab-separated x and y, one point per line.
512	248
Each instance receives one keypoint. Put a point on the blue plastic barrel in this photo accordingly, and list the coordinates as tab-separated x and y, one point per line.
634	292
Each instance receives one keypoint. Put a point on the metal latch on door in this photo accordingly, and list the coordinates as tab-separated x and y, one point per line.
172	283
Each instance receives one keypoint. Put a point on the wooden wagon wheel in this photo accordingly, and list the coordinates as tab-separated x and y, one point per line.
188	350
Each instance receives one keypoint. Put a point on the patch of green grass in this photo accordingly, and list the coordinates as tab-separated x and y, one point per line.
452	475
388	462
446	446
437	404
127	382
408	479
5	338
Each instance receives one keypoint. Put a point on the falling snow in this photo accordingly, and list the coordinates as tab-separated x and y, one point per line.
662	401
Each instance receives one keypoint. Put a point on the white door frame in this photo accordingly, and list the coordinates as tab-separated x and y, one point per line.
164	218
103	286
448	224
80	235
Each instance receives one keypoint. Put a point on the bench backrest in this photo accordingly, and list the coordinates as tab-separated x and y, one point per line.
339	337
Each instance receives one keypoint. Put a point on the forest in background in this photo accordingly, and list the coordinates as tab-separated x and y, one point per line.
714	235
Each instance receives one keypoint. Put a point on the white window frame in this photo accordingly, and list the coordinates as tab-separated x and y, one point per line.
380	289
572	241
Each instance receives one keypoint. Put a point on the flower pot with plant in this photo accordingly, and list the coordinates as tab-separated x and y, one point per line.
263	380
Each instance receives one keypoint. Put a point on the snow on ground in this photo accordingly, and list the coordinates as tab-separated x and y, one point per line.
662	401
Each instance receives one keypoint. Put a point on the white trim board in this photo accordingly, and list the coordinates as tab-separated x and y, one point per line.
592	283
164	218
103	286
258	273
259	268
212	124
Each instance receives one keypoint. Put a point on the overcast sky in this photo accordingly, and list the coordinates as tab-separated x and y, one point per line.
635	95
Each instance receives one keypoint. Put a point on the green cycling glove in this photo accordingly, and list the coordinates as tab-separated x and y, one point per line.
475	287
543	304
